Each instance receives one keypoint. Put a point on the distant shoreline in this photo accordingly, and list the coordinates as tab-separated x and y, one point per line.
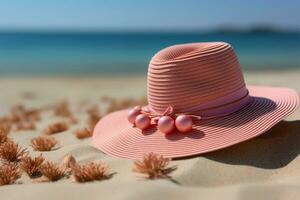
223	29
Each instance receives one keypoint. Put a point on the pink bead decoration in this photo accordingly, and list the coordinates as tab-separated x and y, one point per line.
184	123
166	124
142	121
132	114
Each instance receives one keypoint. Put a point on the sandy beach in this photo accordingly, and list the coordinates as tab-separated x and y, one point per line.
266	167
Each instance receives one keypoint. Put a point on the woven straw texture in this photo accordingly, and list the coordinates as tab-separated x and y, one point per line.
195	78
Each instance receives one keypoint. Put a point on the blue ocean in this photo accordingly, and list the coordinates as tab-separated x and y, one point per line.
120	53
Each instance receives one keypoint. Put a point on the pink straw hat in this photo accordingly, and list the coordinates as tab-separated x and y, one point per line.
198	102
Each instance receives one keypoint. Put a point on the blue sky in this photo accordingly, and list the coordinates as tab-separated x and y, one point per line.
146	14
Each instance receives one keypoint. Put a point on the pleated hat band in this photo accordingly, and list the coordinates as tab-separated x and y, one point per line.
200	78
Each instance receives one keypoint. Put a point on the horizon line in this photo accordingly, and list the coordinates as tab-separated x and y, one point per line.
225	28
60	31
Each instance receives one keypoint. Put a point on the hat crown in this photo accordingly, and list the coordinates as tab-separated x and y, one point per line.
188	75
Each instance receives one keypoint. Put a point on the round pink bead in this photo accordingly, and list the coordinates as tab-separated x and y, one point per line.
166	124
184	123
132	114
142	121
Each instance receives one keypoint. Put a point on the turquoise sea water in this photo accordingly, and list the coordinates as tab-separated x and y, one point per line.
111	53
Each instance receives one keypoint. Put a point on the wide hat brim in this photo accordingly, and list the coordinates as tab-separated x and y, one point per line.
115	136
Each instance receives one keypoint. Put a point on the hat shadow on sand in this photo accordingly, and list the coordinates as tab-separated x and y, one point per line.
274	149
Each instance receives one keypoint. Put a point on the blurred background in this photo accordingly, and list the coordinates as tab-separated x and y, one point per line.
120	37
